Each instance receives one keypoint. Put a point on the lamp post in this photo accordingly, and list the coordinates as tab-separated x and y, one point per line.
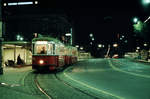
1	39
69	34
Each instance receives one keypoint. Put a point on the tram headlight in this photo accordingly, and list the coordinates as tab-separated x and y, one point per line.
41	62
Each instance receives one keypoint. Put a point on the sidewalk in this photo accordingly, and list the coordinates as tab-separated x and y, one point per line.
14	76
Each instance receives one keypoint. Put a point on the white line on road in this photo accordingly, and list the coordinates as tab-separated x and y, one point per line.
134	74
88	86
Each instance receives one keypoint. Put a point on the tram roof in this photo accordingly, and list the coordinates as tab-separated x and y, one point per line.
46	39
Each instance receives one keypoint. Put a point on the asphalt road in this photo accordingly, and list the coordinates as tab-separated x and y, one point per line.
18	83
89	79
110	78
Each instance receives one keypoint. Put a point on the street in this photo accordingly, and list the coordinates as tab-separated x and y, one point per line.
88	79
112	78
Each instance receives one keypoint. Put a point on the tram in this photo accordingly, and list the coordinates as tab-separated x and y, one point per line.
50	54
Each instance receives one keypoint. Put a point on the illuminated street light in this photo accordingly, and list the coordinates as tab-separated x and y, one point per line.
77	46
19	38
91	43
68	34
91	35
126	41
5	4
92	39
20	3
36	2
115	45
81	48
100	45
138	48
145	44
135	20
145	2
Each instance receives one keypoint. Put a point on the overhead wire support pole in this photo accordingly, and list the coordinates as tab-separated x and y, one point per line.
1	39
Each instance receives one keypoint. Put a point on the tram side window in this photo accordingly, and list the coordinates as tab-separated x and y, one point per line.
50	49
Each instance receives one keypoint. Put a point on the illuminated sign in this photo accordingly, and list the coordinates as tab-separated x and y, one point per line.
20	3
41	42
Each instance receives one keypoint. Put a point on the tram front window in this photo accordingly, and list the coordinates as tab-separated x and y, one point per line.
41	49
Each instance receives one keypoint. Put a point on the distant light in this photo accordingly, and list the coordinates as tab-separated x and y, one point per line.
36	2
145	2
115	45
25	3
92	39
138	48
145	44
126	41
77	46
91	43
135	20
21	38
122	36
18	37
91	35
19	3
68	34
100	45
81	48
5	4
11	4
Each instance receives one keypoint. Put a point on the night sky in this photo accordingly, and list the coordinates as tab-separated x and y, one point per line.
104	18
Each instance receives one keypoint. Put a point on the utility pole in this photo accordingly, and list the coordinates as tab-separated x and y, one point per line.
1	68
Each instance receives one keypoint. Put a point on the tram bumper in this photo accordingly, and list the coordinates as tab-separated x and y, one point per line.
44	68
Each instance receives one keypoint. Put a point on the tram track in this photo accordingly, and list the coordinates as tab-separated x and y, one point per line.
75	88
41	89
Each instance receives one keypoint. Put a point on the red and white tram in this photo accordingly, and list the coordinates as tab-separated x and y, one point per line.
50	54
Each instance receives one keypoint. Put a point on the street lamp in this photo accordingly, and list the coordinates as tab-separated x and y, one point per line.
77	46
138	48
36	2
81	48
145	44
115	45
91	35
69	35
145	2
93	39
135	20
19	38
5	4
100	45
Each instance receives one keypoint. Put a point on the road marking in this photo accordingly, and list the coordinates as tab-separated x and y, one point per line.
88	86
134	74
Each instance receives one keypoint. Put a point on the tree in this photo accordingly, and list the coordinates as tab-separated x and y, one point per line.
141	29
